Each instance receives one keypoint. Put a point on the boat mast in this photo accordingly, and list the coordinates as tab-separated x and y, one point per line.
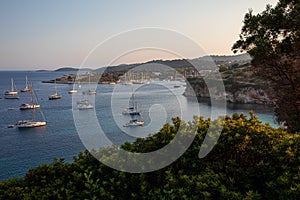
55	87
32	103
12	85
136	111
27	83
90	81
132	98
31	91
36	99
79	86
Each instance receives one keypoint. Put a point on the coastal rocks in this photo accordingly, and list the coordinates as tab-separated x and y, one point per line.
247	95
250	95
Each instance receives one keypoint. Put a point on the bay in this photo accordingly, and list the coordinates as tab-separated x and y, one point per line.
158	101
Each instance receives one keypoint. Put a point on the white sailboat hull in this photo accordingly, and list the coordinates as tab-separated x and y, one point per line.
72	91
11	93
84	105
25	90
29	106
13	96
54	97
90	92
30	124
134	123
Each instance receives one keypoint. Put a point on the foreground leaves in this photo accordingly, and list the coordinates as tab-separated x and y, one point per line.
250	161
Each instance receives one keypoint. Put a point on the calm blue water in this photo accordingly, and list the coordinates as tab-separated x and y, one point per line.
24	149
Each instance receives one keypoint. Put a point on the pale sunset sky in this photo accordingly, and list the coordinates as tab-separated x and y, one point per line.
48	34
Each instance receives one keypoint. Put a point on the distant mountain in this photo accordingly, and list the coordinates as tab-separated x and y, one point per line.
42	70
66	69
204	62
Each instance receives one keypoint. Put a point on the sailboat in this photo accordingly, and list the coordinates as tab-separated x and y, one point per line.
26	89
55	95
127	80
32	123
176	86
90	91
132	109
32	105
73	90
84	105
12	94
135	121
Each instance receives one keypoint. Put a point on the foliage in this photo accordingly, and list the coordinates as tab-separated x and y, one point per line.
273	39
234	80
250	161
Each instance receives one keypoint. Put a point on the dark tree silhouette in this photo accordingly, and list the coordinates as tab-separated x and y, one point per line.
272	38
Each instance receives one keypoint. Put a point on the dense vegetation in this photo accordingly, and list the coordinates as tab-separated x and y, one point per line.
272	38
250	161
234	79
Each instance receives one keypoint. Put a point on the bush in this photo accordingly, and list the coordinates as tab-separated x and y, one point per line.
250	161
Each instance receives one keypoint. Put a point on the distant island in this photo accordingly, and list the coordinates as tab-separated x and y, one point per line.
67	69
42	70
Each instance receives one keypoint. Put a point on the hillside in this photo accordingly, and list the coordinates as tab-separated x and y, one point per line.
241	86
177	63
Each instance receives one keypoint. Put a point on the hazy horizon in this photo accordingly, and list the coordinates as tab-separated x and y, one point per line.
37	35
53	68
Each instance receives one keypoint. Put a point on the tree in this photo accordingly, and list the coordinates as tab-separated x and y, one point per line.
272	38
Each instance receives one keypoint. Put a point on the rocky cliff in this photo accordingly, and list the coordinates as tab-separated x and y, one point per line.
250	95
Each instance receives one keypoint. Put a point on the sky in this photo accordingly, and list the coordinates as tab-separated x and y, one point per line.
48	34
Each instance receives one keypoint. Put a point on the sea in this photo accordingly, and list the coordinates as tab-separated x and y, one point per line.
158	102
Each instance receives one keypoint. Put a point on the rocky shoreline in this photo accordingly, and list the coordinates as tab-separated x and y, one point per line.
245	95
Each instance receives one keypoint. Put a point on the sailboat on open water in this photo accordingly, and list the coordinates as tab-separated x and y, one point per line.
26	89
54	96
13	93
131	110
32	123
90	91
32	104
